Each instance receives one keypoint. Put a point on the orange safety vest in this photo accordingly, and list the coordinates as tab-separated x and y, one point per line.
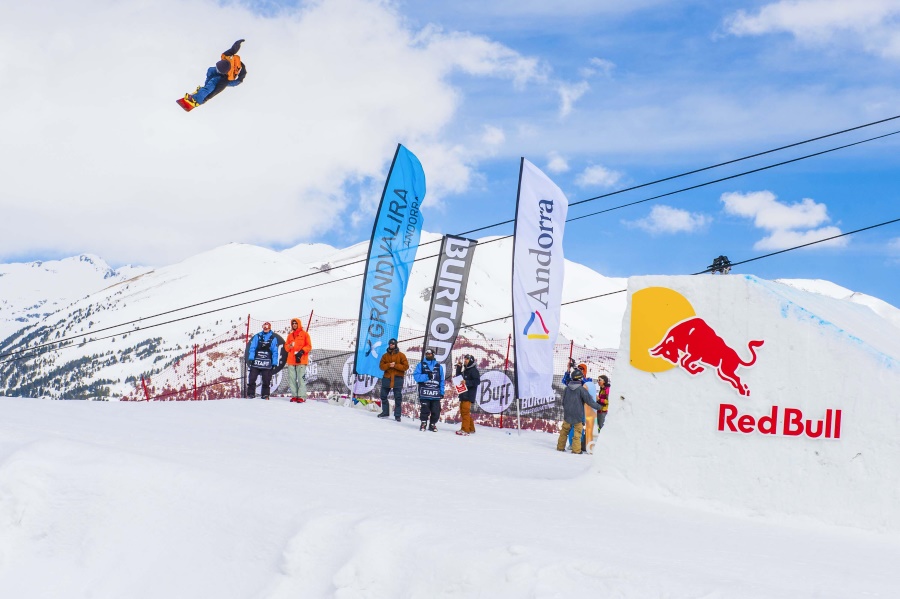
235	62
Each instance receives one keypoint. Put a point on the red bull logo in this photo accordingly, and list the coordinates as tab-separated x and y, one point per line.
665	332
693	342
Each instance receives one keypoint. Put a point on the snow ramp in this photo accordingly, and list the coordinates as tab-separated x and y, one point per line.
757	396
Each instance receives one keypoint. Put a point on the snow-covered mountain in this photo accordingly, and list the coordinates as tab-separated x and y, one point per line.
84	301
30	291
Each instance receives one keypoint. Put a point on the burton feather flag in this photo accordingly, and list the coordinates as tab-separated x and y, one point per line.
448	296
395	239
538	270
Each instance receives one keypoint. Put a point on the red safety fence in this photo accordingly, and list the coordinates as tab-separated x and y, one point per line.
217	369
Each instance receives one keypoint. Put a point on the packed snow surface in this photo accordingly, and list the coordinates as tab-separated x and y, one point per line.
267	499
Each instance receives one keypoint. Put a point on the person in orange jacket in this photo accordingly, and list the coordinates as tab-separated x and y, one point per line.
298	345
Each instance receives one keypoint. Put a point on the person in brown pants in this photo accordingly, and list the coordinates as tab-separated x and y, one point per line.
574	399
465	366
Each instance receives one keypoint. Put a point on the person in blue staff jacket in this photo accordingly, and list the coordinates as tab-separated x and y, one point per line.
430	378
262	357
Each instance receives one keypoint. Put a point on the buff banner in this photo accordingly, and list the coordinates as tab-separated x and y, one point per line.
395	239
448	296
538	270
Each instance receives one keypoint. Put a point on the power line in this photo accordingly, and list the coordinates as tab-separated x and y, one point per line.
605	195
677	191
472	326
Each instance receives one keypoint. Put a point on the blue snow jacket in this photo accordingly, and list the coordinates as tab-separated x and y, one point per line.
215	83
430	377
267	341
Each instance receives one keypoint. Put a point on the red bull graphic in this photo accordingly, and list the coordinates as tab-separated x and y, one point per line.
792	424
536	333
693	342
666	332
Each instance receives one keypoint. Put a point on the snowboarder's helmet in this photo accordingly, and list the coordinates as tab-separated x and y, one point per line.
577	375
223	66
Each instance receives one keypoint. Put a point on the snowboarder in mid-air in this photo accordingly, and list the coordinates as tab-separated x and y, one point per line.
228	72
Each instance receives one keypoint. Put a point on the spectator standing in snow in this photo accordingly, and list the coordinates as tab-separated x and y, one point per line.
394	364
262	357
298	345
430	378
589	383
465	367
575	398
603	400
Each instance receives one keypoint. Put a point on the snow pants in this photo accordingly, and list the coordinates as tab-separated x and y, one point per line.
465	411
431	410
266	381
564	433
296	380
397	387
601	420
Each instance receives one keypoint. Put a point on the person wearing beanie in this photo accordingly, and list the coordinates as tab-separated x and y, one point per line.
230	71
263	354
465	367
575	397
587	382
429	374
394	364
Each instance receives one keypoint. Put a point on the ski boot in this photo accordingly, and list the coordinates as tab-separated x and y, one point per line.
424	424
432	428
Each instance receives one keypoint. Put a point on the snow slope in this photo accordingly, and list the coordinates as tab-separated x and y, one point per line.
251	499
30	291
819	355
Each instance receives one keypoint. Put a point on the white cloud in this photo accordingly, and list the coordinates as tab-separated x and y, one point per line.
99	154
870	23
768	213
599	66
783	239
492	137
789	224
556	163
598	176
569	93
666	219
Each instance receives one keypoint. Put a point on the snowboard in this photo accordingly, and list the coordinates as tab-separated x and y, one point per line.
185	104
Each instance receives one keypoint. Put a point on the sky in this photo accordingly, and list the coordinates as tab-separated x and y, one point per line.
600	95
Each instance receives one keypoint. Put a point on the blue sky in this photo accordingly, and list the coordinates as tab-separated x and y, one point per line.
598	95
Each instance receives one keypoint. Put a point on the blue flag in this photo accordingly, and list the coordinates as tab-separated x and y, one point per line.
395	239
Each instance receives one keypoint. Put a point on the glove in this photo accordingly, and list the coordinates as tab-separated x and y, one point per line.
299	355
234	48
571	362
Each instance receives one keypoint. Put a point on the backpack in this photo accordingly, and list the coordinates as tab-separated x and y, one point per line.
236	67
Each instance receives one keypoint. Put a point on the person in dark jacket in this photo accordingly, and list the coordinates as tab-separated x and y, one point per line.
574	399
262	357
430	377
394	364
228	72
465	367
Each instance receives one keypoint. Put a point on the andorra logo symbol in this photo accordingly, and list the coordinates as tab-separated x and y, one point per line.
537	322
666	332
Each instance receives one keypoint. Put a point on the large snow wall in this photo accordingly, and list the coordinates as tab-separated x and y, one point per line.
811	428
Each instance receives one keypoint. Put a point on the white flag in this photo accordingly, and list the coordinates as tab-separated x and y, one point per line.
538	270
